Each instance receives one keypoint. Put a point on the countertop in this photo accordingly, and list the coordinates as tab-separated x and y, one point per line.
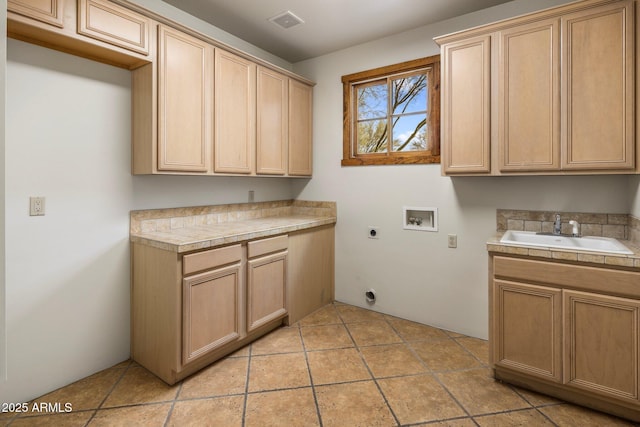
494	245
196	237
186	229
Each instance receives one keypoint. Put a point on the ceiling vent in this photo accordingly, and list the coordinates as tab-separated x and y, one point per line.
286	20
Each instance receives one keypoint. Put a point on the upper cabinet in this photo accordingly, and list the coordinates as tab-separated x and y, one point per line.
234	112
300	128
546	93
114	24
47	11
529	97
95	29
466	107
598	87
198	107
272	122
184	102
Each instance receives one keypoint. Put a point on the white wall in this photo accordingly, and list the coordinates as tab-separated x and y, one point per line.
3	68
634	196
67	280
414	273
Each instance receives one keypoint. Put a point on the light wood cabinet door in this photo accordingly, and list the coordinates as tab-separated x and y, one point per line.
601	344
527	328
211	309
184	102
234	140
466	106
266	284
529	97
300	129
272	122
108	22
47	11
598	88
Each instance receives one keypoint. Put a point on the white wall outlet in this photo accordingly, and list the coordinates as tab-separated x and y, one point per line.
252	196
36	206
452	240
373	232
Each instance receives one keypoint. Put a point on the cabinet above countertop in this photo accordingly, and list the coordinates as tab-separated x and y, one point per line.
187	229
550	92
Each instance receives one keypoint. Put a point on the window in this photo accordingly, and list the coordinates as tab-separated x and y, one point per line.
392	114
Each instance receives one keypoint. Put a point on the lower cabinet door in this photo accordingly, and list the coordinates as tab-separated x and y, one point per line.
211	309
527	329
601	344
266	289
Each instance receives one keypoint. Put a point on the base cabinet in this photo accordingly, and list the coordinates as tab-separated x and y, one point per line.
567	330
266	281
602	344
528	326
187	311
211	309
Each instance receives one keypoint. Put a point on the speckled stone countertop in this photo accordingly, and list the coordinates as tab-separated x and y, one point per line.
619	260
188	229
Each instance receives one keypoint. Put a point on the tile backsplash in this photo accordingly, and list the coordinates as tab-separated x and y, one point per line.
615	225
167	219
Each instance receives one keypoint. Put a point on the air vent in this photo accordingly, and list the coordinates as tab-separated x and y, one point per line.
286	20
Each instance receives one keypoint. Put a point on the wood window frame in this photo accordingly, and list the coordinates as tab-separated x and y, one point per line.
349	155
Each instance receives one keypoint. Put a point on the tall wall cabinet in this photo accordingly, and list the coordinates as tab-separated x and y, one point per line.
546	93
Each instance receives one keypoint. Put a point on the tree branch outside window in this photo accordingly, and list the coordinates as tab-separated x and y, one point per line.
392	114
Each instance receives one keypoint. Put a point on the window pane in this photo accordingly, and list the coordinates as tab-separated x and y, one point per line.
372	101
410	133
409	94
372	136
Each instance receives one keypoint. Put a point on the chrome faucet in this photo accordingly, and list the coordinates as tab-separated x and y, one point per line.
575	230
557	225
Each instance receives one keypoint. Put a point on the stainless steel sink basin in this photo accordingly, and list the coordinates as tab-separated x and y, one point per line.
588	243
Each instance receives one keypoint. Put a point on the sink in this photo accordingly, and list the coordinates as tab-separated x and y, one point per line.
587	243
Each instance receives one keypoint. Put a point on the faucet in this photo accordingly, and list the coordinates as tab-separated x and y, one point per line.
557	226
574	230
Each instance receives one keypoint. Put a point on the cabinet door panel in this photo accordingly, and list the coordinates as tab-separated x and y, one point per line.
601	344
266	289
113	24
528	329
271	122
184	102
466	103
234	139
529	97
300	129
598	88
47	11
210	311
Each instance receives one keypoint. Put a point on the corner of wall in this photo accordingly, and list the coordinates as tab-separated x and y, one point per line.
3	84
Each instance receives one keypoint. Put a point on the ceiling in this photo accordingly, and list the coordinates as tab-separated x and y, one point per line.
329	25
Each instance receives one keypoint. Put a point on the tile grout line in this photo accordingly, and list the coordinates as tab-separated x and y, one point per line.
431	372
375	381
246	385
113	387
173	403
313	387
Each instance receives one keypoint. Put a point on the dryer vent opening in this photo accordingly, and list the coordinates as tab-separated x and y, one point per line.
370	296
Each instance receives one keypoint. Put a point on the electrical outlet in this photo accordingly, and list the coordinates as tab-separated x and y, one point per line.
36	206
453	240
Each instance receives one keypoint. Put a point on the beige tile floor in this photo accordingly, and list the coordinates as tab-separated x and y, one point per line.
340	366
